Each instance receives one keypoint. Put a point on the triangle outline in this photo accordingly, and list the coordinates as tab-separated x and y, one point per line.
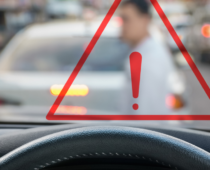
51	116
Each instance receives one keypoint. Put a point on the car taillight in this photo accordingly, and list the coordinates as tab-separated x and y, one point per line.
75	90
72	110
206	30
174	102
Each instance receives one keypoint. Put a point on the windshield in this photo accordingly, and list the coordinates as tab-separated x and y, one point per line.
69	61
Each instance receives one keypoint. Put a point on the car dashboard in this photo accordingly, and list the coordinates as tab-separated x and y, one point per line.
13	137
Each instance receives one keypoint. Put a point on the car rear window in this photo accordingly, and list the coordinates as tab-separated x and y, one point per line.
63	54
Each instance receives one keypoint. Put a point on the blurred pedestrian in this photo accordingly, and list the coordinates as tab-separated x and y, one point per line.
157	64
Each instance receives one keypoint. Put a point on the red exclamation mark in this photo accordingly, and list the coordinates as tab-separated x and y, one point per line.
135	65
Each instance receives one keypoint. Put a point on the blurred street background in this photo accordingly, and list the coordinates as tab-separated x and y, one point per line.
190	18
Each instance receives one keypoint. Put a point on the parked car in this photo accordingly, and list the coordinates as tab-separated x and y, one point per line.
43	57
198	37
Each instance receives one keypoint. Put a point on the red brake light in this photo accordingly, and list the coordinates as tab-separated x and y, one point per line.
174	102
206	30
72	110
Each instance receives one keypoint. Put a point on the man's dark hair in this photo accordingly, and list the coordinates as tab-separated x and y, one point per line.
142	5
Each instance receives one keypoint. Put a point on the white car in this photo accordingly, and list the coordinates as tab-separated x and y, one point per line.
38	61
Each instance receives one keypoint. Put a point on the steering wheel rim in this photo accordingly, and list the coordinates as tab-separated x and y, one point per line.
104	141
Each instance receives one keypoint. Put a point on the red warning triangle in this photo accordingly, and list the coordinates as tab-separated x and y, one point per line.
51	115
